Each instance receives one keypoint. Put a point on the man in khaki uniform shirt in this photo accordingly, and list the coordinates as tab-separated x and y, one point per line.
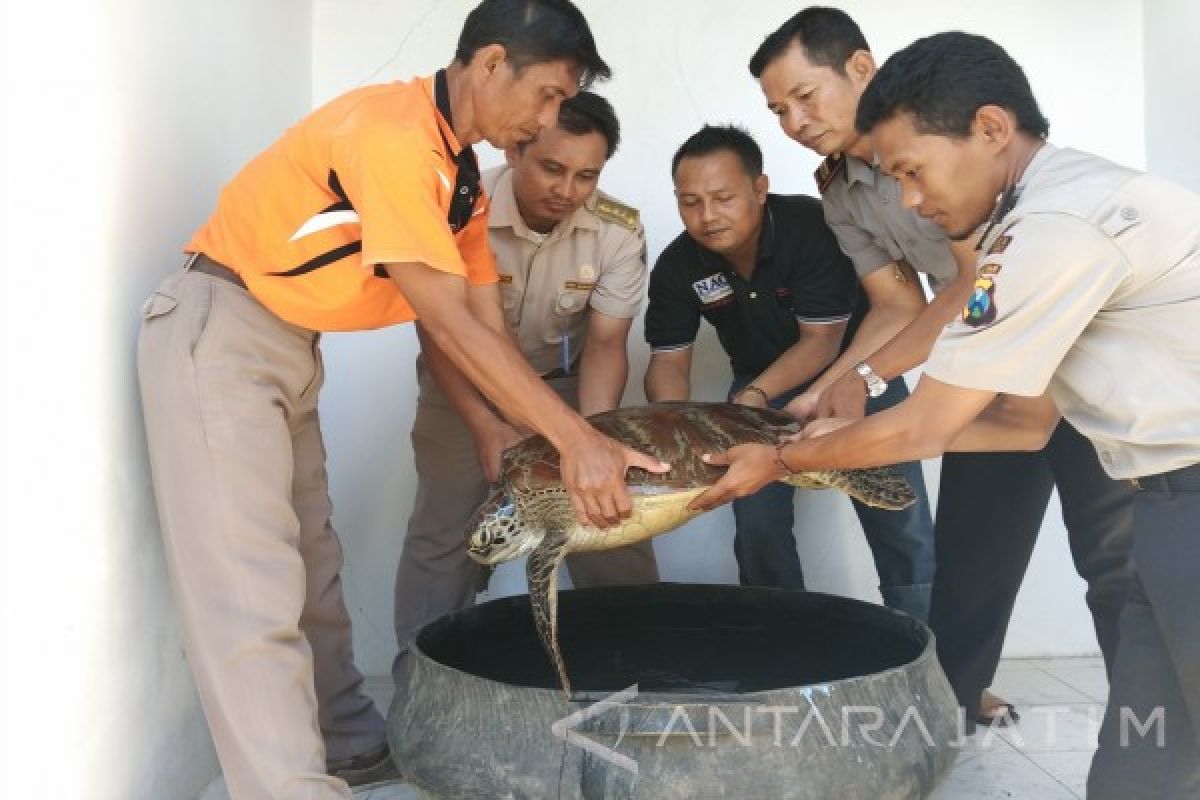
1086	295
572	264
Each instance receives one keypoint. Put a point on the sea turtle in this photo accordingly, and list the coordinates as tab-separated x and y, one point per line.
529	513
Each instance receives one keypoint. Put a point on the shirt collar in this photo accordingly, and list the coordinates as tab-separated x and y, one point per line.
444	124
1035	164
859	171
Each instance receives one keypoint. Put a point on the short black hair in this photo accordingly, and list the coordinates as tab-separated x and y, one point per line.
715	138
828	35
588	112
942	80
533	32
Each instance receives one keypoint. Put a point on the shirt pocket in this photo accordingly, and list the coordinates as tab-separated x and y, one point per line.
570	303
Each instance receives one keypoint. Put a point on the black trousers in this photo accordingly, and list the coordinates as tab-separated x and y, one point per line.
990	508
1149	746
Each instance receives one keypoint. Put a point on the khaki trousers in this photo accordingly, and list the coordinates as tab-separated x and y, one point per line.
229	393
435	575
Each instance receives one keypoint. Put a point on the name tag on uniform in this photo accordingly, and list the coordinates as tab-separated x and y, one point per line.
712	289
504	278
581	286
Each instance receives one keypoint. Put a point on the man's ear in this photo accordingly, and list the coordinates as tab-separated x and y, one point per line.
487	60
762	185
996	126
860	67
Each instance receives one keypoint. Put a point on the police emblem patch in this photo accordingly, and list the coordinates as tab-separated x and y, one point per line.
980	309
712	289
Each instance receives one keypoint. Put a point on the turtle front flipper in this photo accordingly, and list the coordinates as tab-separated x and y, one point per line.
878	487
542	571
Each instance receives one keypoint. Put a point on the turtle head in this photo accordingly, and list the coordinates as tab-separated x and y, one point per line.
496	533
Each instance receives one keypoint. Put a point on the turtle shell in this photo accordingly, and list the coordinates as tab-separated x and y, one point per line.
677	433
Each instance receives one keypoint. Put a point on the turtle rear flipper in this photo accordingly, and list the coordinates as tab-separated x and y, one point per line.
878	487
542	573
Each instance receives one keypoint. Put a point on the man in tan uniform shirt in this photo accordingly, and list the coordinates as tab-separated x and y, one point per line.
572	264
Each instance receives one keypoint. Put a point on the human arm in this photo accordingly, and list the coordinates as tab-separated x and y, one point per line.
668	375
923	426
593	466
895	299
909	347
604	365
817	346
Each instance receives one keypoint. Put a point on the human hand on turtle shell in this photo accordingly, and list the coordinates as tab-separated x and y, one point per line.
593	468
751	467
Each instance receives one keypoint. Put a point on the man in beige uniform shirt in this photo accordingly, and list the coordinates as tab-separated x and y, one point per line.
572	264
1085	302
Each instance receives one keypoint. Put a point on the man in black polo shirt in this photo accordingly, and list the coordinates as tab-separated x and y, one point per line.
767	273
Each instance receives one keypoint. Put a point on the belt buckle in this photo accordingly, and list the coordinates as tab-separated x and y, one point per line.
1137	484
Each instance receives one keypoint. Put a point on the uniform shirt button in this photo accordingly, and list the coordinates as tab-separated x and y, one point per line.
1129	213
754	295
564	301
1106	457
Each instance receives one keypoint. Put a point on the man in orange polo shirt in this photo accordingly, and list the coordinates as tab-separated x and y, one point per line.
366	213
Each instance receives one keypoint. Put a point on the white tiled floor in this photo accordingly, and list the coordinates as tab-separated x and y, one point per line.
1045	757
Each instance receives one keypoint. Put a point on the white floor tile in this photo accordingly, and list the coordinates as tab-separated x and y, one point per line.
1089	678
999	775
1024	684
1070	769
1049	727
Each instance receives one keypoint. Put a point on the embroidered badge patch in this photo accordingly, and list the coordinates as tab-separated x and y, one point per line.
1000	245
712	289
980	309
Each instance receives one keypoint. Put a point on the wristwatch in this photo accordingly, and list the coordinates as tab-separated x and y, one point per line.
875	384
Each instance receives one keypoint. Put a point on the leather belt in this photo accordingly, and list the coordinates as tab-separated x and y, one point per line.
559	372
202	263
1185	479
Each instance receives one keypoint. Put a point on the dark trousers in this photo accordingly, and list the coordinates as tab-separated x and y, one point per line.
1157	671
990	509
900	541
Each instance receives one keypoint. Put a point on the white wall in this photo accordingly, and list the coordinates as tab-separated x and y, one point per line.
1172	90
120	126
678	64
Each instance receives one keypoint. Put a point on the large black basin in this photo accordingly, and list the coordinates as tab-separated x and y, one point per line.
740	693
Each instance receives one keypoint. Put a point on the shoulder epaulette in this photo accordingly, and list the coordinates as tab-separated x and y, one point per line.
614	211
830	168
